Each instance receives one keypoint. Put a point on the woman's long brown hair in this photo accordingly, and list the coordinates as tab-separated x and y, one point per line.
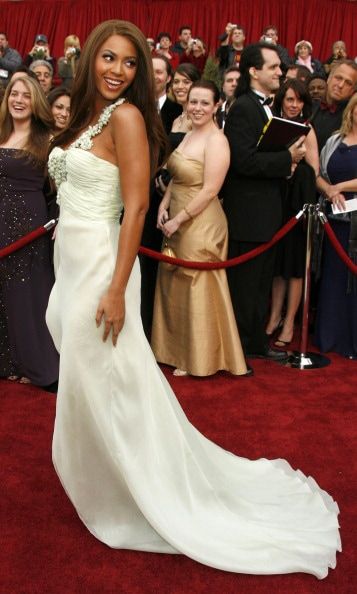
141	92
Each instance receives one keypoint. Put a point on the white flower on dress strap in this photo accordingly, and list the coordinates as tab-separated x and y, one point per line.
57	166
85	140
57	160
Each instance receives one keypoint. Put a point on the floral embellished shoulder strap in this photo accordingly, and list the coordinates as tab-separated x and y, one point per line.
84	141
57	161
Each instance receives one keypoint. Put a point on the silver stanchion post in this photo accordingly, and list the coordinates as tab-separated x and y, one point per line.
303	359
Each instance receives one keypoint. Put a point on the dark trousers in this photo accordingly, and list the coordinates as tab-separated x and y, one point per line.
250	286
152	238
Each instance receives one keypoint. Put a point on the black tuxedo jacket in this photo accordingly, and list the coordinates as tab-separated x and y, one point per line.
169	112
253	188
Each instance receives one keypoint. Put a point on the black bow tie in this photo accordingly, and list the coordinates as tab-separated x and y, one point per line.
267	101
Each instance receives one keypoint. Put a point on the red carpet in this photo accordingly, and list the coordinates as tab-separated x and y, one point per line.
308	417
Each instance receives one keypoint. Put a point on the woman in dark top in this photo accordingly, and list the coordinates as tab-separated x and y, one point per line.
26	278
336	320
185	75
293	102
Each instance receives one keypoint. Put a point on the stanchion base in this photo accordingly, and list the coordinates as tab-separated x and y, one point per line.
307	360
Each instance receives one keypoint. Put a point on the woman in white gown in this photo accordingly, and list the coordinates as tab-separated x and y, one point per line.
139	474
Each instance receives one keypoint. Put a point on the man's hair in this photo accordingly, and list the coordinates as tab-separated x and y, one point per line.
37	63
228	70
183	27
252	56
163	34
4	34
240	28
266	29
351	63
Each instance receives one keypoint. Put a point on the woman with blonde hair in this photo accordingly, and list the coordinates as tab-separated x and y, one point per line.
139	474
26	277
336	319
67	64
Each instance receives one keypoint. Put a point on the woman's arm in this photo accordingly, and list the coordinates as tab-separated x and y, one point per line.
347	186
163	215
216	163
312	151
130	141
331	192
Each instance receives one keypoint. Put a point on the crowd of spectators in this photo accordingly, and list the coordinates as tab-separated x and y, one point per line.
304	88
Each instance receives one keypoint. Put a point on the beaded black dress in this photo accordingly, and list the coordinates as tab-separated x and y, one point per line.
26	276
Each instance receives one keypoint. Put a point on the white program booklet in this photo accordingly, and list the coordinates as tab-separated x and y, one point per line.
349	204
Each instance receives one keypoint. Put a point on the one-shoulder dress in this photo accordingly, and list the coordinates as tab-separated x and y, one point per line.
138	473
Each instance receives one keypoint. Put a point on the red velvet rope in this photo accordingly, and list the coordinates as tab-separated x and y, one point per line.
339	249
162	257
228	263
16	245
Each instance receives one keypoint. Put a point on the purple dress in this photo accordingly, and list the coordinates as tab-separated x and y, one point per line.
26	276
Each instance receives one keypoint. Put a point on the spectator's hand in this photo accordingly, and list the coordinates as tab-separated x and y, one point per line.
162	218
170	227
335	196
298	150
229	28
160	185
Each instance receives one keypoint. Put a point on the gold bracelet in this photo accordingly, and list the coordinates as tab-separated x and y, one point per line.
188	212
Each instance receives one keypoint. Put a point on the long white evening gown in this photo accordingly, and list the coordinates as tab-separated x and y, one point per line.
138	473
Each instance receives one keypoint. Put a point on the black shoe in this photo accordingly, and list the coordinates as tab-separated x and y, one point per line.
269	354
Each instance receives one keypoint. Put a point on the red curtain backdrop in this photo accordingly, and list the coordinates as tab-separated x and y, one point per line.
320	21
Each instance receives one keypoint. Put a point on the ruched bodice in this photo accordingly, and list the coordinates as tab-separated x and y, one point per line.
186	171
89	186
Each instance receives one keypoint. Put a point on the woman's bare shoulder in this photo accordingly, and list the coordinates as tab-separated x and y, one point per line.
128	113
217	140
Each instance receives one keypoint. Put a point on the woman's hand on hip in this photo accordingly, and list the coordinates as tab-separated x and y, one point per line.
112	308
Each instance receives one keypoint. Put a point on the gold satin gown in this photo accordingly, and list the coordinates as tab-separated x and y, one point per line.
194	327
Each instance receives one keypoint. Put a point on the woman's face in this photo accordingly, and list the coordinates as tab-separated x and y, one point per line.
303	51
19	102
60	111
180	88
201	106
292	105
115	67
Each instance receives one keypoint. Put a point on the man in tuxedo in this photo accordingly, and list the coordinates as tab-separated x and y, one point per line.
252	195
152	237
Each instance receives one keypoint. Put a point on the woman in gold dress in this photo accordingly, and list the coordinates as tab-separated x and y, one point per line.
194	327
